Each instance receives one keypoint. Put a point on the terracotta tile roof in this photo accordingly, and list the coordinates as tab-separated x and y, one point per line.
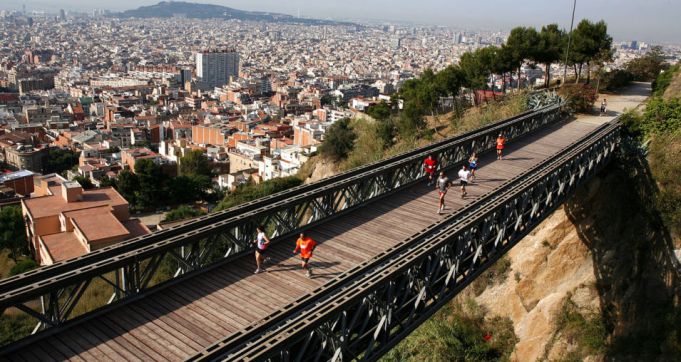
63	246
97	223
54	204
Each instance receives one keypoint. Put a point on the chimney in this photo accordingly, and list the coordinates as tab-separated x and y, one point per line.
71	191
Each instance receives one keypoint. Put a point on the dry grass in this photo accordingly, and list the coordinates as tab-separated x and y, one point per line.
6	263
674	88
370	148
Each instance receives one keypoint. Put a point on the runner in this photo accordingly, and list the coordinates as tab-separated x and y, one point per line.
501	142
430	164
306	246
464	175
604	107
473	165
442	185
262	242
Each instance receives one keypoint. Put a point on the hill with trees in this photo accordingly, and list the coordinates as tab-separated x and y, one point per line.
169	9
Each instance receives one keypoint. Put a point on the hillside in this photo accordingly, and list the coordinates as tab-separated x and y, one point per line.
169	9
674	88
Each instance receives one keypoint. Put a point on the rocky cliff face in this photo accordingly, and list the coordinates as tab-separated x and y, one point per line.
595	281
547	268
323	168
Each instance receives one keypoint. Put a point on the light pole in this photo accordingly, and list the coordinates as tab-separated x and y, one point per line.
567	53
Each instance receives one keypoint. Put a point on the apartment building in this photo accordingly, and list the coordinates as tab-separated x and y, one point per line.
63	221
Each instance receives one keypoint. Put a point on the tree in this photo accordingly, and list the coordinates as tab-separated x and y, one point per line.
475	67
195	162
13	231
647	67
60	160
591	42
339	140
503	64
549	48
183	212
385	129
250	191
185	189
151	183
84	182
127	184
379	111
521	45
579	97
23	266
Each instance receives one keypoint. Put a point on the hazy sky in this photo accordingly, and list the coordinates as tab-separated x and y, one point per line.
647	20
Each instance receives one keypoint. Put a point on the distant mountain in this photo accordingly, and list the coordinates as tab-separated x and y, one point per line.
169	9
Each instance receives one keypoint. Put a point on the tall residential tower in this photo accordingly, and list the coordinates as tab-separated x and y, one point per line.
215	67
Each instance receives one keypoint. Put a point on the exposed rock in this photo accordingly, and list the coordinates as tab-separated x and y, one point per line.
323	168
548	266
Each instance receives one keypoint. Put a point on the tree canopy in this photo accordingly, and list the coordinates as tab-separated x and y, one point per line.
647	67
183	212
195	163
60	160
339	140
13	231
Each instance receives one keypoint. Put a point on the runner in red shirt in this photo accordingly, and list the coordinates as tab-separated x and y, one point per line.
430	164
306	246
501	142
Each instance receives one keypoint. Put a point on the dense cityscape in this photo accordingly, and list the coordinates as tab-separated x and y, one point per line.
254	98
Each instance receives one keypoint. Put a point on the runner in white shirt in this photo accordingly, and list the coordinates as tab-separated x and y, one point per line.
442	185
464	175
262	242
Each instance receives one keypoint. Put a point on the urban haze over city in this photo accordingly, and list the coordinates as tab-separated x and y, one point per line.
338	180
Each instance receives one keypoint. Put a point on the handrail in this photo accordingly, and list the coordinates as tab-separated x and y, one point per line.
276	332
130	249
40	274
206	244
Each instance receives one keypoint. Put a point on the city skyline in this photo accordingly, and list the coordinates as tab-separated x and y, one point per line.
655	19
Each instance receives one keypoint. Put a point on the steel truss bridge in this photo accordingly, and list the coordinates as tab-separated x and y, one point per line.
386	260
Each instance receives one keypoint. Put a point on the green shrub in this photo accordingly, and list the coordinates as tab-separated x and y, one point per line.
616	79
15	326
250	191
579	97
23	266
183	212
647	67
662	116
456	333
84	182
339	140
664	155
588	330
663	80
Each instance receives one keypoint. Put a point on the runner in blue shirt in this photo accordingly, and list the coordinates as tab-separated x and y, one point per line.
473	165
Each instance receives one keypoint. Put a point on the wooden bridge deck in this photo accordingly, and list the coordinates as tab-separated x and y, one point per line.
177	322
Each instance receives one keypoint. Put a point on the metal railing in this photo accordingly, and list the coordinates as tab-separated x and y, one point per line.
369	309
75	290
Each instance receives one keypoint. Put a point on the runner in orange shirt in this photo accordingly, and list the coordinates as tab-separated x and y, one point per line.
501	142
306	246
